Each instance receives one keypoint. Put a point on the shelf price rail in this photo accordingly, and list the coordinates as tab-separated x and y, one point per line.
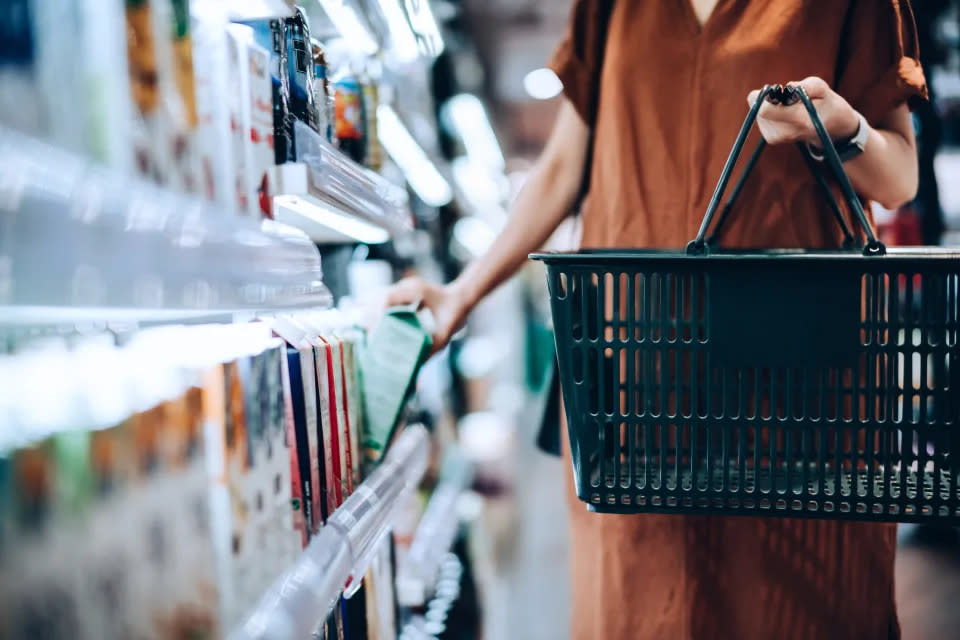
301	599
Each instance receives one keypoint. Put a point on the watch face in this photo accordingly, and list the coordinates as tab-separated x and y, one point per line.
849	151
853	147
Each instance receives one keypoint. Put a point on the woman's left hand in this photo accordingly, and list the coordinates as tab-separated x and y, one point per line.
780	124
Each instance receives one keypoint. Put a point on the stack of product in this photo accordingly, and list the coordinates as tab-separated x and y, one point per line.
172	90
156	489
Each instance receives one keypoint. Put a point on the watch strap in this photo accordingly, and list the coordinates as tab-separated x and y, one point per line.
850	148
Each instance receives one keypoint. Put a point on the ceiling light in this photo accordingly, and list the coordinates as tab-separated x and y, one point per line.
403	43
542	84
468	118
420	172
474	235
425	25
349	24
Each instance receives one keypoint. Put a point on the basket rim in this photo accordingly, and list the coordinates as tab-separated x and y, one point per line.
618	255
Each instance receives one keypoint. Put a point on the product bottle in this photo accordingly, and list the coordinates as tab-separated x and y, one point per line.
371	100
321	90
350	120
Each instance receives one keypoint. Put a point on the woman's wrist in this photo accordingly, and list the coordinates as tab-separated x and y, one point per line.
463	293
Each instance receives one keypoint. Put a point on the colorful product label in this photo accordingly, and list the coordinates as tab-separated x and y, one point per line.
349	119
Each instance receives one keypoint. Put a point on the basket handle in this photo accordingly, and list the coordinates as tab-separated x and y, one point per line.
786	95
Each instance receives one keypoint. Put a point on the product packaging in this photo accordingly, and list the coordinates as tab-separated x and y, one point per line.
108	562
160	120
381	608
349	117
296	484
190	589
300	70
394	353
239	37
271	35
152	530
215	93
214	399
40	601
246	574
327	422
371	100
352	402
253	123
322	95
338	409
184	150
283	541
261	130
303	383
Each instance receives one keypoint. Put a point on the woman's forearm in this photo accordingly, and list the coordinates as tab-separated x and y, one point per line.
886	171
541	206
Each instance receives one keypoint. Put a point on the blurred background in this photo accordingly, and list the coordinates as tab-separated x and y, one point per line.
173	173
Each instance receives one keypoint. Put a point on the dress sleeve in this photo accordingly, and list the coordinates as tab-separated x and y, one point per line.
879	68
578	58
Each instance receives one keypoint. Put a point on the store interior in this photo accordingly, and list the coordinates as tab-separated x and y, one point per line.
203	205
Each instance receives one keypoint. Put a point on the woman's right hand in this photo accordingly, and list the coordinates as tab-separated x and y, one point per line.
447	303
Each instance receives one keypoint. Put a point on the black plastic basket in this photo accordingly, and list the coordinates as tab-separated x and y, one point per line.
785	383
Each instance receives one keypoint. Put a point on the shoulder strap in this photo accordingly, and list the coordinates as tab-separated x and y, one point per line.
604	11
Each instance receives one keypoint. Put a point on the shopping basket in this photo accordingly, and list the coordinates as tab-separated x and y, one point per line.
765	382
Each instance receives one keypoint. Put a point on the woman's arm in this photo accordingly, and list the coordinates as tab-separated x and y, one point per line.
540	207
885	172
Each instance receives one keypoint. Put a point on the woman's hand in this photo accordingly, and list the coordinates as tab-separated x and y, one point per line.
780	124
447	303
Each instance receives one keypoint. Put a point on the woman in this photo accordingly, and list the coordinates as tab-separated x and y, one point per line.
677	76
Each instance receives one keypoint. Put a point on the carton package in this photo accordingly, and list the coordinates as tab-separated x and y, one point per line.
340	433
300	70
262	154
351	375
390	361
326	421
296	484
214	95
238	108
271	35
185	150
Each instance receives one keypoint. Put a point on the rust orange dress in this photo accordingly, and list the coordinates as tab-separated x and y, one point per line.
672	97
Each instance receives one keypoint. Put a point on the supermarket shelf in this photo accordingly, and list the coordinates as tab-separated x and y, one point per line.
335	200
435	534
301	599
79	242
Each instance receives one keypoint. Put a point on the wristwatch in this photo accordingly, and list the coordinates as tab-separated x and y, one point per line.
850	148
